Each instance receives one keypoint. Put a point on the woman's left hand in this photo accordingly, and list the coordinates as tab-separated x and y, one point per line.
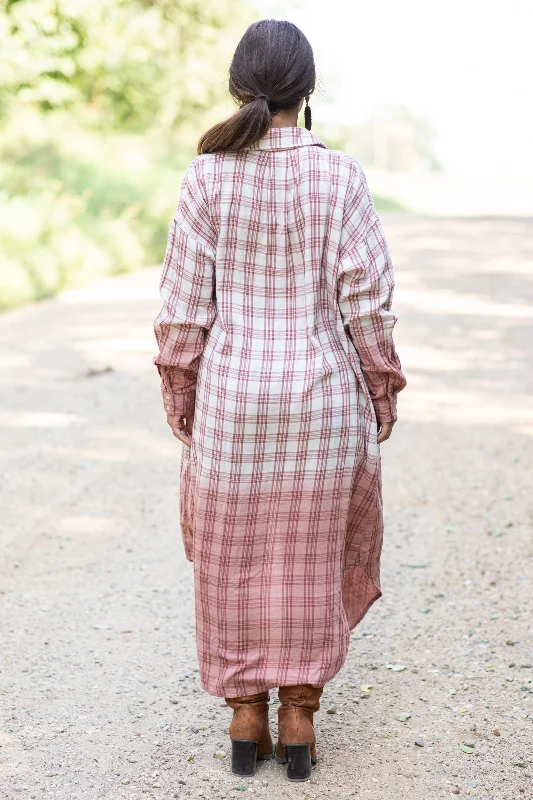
181	427
384	431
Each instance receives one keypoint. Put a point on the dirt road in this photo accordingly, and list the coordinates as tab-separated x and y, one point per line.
99	684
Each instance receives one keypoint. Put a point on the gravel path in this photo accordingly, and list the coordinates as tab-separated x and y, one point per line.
99	684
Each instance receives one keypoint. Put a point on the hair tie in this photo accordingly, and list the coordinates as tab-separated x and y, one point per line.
272	106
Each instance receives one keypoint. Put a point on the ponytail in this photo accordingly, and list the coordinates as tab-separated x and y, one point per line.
242	129
272	69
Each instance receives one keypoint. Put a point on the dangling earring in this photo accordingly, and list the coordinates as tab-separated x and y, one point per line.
307	114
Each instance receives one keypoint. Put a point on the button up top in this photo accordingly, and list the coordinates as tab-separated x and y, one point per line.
276	333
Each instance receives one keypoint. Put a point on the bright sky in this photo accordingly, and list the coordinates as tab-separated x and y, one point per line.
466	65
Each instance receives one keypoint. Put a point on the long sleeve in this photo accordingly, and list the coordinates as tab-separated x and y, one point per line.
188	291
365	288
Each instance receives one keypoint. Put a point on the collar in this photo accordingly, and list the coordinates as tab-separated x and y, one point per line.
286	139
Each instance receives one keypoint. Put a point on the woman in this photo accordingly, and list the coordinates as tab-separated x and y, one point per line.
279	376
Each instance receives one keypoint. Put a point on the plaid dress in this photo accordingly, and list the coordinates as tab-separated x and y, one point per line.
276	331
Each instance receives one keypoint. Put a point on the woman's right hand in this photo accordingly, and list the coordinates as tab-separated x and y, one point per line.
181	427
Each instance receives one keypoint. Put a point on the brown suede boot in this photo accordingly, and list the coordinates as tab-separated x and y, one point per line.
249	732
296	735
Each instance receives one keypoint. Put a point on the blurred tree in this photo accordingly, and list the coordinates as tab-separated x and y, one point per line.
101	105
121	64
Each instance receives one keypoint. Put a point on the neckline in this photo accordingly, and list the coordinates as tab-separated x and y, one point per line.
286	138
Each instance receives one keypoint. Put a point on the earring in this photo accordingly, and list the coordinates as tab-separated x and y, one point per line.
307	114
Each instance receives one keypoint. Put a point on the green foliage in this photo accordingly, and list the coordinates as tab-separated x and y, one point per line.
101	105
116	64
70	219
388	203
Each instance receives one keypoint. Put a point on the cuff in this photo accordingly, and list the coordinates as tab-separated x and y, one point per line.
181	404
385	409
178	391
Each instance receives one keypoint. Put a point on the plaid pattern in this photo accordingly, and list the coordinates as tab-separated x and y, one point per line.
276	330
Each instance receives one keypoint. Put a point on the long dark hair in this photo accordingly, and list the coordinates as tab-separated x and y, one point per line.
272	68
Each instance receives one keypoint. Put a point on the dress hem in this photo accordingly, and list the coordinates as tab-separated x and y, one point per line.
355	612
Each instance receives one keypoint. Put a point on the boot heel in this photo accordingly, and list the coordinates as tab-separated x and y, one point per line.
299	761
243	757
